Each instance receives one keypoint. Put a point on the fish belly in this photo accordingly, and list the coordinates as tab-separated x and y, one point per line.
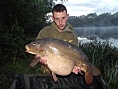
60	65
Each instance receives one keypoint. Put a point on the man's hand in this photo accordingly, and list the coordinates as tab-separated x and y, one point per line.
76	70
43	60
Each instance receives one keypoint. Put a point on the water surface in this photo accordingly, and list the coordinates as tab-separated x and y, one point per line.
101	32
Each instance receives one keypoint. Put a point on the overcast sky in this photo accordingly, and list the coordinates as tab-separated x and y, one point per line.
84	7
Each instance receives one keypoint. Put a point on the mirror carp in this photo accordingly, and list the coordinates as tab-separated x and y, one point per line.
62	57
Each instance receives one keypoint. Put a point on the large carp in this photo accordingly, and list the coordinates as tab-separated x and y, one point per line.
62	57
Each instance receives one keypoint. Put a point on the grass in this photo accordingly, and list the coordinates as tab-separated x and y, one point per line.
105	57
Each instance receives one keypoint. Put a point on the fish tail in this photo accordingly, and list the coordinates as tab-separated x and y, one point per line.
89	77
93	71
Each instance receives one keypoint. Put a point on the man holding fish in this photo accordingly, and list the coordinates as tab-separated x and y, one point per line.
61	30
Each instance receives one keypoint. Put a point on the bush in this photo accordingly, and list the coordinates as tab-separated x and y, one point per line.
105	57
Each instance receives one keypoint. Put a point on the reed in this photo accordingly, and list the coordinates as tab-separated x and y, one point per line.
105	57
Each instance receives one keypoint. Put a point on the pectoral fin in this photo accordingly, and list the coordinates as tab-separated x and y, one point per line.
34	62
54	77
88	77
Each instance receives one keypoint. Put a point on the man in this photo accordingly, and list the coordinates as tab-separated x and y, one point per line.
59	29
62	30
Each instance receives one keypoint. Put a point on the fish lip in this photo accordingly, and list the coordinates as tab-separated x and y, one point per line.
27	48
31	52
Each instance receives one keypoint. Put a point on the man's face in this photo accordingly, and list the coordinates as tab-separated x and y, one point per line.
60	19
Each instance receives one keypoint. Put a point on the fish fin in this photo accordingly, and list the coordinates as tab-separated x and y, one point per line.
34	62
88	77
45	69
54	77
95	71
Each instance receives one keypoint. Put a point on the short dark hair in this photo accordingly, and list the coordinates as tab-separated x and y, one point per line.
59	8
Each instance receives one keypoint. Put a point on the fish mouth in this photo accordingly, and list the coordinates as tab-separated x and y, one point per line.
31	52
28	50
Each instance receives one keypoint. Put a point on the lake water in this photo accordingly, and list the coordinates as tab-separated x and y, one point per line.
102	32
87	34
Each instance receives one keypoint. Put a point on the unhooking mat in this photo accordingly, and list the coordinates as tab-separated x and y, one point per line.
45	81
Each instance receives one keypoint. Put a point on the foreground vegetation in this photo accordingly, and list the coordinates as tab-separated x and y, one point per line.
105	57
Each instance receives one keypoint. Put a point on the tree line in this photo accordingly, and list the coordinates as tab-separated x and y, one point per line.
92	19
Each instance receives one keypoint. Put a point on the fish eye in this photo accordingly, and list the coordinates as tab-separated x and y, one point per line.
34	44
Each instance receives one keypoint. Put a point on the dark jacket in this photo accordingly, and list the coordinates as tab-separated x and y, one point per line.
51	31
